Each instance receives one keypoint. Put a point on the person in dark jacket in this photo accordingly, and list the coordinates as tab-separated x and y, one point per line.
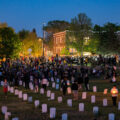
86	81
80	81
64	86
75	90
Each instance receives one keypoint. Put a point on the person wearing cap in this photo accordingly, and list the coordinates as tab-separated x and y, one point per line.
114	93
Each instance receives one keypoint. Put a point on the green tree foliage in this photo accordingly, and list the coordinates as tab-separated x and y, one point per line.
32	42
23	34
108	39
10	44
79	29
56	26
65	51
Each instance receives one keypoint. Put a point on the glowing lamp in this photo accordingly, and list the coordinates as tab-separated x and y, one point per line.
114	91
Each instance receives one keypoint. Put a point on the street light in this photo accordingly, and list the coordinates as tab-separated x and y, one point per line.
43	38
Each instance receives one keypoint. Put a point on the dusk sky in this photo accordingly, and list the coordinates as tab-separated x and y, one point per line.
29	14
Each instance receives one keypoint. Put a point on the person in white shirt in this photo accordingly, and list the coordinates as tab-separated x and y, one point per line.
114	93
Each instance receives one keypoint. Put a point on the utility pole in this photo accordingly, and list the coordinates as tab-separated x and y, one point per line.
43	39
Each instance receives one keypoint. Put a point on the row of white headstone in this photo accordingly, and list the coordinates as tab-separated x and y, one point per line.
36	102
111	116
7	114
52	96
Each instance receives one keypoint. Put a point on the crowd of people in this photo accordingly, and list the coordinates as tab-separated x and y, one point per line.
40	71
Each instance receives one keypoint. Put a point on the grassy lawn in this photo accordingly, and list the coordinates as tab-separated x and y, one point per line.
27	111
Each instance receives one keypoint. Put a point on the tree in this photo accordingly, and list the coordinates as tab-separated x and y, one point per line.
3	25
56	26
65	51
23	34
33	43
79	29
108	40
10	44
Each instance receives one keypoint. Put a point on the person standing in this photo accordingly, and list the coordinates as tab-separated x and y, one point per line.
64	86
5	87
86	81
114	93
75	90
80	81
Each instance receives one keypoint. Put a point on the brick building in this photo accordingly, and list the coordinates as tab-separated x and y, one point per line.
58	42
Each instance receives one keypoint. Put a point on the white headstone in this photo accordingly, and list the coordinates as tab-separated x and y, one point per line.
25	97
84	95
16	118
81	107
92	99
7	114
12	90
2	83
111	116
4	109
57	86
57	80
52	79
30	99
20	82
64	116
53	85
105	102
52	96
69	90
52	113
31	86
59	99
16	92
119	105
94	89
8	88
44	108
47	84
95	110
69	102
48	93
105	91
42	91
37	103
20	94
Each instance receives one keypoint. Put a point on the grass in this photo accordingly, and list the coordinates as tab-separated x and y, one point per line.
27	111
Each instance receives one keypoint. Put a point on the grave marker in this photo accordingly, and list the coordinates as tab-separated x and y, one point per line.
44	108
105	91
64	116
94	89
52	96
42	91
84	95
105	102
4	109
20	94
52	113
59	99
81	107
111	116
69	102
37	103
25	97
92	99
